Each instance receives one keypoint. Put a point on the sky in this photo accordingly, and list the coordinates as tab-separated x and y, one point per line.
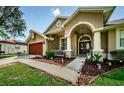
39	18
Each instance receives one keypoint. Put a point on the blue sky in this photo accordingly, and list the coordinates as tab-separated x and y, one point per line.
40	17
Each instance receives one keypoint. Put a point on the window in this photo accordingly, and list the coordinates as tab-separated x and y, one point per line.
122	38
58	23
63	44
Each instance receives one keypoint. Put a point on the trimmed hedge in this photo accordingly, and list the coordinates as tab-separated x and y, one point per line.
118	54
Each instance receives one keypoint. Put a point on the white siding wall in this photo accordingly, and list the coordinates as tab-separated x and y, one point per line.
11	48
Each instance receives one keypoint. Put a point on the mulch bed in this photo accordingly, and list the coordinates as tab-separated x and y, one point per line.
90	71
55	60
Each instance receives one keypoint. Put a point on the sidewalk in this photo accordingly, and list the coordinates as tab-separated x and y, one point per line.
52	69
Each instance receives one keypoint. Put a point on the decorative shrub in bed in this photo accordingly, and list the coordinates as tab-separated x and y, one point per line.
50	54
96	58
118	54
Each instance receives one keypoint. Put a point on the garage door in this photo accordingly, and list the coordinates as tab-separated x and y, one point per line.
36	48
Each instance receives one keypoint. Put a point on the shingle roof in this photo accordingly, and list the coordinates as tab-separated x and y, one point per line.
12	41
118	21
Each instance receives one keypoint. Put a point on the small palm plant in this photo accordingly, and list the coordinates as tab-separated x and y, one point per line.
96	58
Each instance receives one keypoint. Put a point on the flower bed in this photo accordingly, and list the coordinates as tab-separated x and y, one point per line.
55	60
90	70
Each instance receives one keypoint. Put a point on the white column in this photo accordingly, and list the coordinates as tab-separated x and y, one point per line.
68	43
97	44
97	41
44	47
68	51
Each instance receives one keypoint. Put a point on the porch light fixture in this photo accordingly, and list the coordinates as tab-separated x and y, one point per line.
43	42
82	34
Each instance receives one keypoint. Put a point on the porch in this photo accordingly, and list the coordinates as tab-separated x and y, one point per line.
82	40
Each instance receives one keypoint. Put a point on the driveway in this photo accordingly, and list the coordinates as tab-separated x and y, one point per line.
55	70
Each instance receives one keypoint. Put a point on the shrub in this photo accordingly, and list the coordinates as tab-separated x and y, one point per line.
118	54
50	54
19	53
96	58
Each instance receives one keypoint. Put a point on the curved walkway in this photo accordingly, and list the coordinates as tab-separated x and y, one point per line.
55	70
76	64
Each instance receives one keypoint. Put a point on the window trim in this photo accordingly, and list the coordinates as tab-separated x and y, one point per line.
118	38
61	43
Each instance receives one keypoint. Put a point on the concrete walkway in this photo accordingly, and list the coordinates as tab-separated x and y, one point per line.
28	56
76	64
52	69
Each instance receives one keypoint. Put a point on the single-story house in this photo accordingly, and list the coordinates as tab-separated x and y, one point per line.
9	46
86	30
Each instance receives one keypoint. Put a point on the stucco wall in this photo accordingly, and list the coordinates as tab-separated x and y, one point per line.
111	40
95	19
12	48
54	44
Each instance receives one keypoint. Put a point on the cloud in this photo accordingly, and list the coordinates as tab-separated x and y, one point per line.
56	11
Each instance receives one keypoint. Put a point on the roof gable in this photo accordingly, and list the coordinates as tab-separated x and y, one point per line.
38	33
53	26
107	11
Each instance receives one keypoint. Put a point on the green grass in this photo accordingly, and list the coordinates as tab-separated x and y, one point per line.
115	78
6	56
19	74
9	55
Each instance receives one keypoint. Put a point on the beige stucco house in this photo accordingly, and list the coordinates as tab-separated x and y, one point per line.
86	31
9	46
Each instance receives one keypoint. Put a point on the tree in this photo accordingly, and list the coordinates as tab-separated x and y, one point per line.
11	22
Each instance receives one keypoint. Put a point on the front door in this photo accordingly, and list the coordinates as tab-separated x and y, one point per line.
84	47
0	47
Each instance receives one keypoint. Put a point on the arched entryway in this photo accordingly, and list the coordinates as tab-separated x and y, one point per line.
84	45
81	40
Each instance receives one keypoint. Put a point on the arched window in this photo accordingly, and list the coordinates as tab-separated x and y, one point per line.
84	38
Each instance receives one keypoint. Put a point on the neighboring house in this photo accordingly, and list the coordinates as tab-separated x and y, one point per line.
85	30
13	46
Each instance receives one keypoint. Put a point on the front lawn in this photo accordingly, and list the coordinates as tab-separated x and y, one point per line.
115	78
19	74
9	55
6	56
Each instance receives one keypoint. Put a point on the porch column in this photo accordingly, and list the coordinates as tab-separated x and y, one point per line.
68	51
44	47
97	44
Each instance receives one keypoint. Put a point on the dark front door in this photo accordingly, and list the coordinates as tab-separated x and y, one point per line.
0	47
83	47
